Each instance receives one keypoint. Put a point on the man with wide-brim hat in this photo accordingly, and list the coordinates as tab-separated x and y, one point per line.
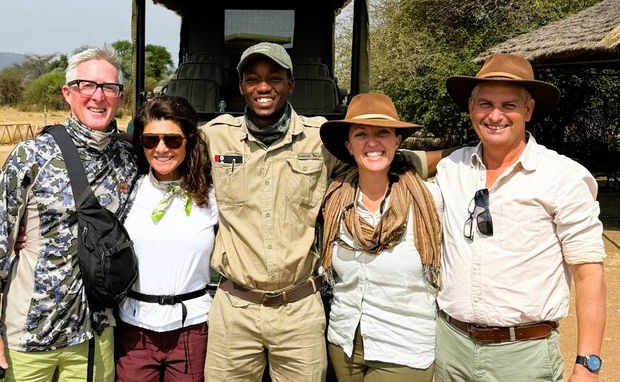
519	220
381	243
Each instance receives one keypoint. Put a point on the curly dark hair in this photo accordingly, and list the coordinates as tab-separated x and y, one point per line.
196	168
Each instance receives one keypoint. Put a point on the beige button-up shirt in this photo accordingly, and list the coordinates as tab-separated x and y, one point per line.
545	217
269	199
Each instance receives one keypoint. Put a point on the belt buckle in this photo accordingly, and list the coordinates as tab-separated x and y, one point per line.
270	299
166	300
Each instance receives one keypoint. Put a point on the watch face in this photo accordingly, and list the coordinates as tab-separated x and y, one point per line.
594	363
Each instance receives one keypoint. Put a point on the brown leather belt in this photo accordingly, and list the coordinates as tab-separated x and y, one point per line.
494	334
290	294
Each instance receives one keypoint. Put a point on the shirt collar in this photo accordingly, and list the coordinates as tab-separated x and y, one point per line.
527	159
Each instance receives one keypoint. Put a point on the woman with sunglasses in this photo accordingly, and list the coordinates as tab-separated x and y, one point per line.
381	245
162	333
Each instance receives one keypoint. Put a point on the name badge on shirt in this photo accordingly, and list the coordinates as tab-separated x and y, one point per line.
307	156
219	158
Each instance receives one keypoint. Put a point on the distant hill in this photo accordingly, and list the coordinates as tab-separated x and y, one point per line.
9	59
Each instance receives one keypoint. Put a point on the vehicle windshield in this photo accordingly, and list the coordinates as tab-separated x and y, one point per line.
245	27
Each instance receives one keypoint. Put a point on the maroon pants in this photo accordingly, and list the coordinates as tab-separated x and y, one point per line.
148	356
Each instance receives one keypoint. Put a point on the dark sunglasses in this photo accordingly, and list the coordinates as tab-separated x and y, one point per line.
483	219
172	141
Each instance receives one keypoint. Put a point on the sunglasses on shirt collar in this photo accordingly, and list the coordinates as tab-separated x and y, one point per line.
483	219
172	141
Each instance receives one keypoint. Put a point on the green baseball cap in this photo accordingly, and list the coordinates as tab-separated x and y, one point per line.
275	52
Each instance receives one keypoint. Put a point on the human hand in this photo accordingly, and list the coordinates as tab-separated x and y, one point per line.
20	241
3	363
581	374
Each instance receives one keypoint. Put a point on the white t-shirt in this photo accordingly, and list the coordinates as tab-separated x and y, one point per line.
173	258
387	295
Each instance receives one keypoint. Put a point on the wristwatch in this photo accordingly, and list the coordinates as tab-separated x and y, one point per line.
592	362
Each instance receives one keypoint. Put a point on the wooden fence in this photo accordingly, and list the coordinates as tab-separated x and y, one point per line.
15	132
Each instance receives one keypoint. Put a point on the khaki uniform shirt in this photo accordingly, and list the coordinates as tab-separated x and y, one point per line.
268	199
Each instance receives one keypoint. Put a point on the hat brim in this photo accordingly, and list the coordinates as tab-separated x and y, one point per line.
335	133
242	64
544	94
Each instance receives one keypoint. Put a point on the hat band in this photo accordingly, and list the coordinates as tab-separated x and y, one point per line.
501	74
374	116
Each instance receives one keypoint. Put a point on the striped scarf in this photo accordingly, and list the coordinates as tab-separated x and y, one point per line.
407	192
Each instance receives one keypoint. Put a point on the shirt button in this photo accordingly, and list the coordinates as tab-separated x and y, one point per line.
476	299
268	214
269	246
305	168
267	182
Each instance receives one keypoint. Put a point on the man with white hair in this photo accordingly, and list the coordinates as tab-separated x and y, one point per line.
46	319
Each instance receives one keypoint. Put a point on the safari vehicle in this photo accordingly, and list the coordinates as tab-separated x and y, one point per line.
214	34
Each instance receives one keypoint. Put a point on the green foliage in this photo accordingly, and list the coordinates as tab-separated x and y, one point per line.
417	44
123	50
158	62
45	91
60	64
11	86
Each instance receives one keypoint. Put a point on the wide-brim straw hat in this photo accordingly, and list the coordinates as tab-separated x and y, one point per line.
508	68
369	109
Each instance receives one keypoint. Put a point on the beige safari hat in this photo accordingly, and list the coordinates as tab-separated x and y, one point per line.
370	109
509	68
275	52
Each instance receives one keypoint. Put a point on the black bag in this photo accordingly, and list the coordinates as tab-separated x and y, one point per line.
107	261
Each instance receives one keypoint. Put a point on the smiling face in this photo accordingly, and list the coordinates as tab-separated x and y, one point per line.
498	112
95	111
266	88
373	148
165	161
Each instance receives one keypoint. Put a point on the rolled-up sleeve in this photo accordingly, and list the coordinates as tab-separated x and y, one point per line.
577	219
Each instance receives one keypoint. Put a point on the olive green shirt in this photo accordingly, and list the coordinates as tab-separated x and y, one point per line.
268	199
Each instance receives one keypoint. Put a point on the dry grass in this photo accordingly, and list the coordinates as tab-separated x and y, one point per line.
10	115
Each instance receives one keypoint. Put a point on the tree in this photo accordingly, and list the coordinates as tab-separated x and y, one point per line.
123	50
417	44
59	64
158	62
45	92
11	86
35	65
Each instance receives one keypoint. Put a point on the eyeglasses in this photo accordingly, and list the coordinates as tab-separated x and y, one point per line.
483	219
88	88
172	141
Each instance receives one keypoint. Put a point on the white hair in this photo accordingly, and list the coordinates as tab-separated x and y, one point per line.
524	92
106	53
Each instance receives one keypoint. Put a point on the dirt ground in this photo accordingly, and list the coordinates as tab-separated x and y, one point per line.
609	198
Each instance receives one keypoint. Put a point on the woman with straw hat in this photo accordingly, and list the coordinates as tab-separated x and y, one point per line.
381	246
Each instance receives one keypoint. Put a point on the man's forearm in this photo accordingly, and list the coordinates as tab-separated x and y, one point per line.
590	293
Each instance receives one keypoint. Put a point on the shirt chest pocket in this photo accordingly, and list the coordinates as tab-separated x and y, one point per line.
304	184
229	182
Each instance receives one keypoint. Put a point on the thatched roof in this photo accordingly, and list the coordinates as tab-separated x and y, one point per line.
591	36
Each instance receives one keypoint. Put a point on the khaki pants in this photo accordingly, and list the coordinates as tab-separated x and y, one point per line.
243	334
460	359
69	364
356	369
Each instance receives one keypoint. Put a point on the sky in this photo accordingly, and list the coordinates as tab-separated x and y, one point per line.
60	26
